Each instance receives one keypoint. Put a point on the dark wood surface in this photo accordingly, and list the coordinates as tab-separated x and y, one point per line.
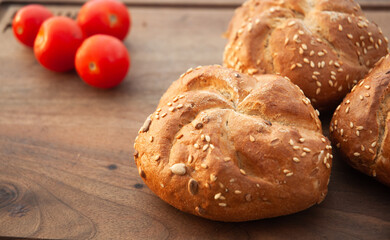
66	165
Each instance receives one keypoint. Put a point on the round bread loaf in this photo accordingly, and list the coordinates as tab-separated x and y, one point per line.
230	147
361	123
323	46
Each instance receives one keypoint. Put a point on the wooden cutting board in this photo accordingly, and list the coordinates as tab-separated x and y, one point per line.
66	149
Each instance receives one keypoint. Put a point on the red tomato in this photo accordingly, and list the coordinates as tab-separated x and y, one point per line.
57	42
104	17
102	61
27	21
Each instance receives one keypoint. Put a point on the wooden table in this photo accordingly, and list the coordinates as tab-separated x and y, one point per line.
66	149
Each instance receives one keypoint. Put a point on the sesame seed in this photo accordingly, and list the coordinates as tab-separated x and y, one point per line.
300	51
293	66
291	142
232	180
330	83
286	41
196	146
306	149
299	65
208	139
248	197
351	124
291	23
350	36
362	148
371	151
301	140
356	154
367	95
380	42
190	159
361	97
251	138
312	53
360	128
295	159
340	28
357	133
151	139
157	157
212	146
286	171
169	104
306	60
226	159
347	110
213	178
163	115
203	165
179	106
171	109
349	20
217	196
373	144
296	147
318	91
373	173
327	165
202	137
205	147
323	140
300	32
289	174
181	96
367	87
242	171
237	192
304	46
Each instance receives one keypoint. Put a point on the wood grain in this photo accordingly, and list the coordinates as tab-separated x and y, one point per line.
66	165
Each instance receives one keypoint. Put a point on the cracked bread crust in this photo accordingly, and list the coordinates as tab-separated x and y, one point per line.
360	124
226	146
325	47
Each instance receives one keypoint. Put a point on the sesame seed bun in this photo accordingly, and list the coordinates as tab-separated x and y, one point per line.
226	146
360	124
325	47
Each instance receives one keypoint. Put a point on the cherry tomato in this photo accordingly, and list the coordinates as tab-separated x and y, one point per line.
57	42
104	17
27	21
102	61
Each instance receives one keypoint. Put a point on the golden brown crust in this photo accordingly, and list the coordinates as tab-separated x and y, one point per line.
230	147
323	46
360	125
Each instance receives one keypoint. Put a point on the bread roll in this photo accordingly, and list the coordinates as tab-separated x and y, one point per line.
226	146
323	46
360	125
